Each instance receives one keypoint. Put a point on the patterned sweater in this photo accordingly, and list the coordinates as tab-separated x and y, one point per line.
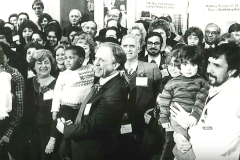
72	87
190	93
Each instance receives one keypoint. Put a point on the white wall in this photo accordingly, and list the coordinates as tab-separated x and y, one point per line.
8	7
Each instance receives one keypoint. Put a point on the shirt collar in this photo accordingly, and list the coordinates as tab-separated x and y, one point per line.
133	66
102	81
215	90
208	46
156	59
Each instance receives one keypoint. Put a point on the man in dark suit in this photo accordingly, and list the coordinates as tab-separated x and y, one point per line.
144	80
154	43
96	131
113	23
212	31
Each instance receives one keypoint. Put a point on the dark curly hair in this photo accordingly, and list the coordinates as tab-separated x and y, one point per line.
26	24
194	54
162	24
195	31
41	17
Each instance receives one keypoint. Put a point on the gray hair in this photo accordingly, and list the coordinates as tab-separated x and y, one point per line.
142	30
214	25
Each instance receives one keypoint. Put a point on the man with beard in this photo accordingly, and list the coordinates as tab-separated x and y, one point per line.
217	134
144	80
154	42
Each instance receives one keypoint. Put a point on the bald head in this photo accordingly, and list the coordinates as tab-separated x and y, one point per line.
75	17
114	14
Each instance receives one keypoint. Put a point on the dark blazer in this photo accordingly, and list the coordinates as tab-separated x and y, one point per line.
162	63
103	31
97	135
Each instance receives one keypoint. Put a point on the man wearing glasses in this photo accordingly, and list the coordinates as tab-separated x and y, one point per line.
154	43
211	33
38	8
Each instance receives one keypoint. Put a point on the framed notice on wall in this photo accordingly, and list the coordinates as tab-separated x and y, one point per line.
223	13
175	9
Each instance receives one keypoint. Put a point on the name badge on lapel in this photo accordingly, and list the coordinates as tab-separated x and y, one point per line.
48	95
126	128
87	109
207	128
142	81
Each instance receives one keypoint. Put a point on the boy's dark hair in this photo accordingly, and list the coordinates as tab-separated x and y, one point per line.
79	51
24	14
194	54
12	15
38	3
231	52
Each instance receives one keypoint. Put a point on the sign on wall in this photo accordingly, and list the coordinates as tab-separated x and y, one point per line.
222	13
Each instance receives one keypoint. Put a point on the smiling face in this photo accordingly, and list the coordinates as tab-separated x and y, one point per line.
104	64
60	56
52	39
43	68
131	48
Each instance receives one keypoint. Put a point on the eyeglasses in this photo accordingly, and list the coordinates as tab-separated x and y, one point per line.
151	43
37	8
212	33
112	16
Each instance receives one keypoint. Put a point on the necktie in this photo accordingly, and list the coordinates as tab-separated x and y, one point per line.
83	106
153	61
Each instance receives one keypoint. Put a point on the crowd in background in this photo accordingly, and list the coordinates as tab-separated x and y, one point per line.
142	92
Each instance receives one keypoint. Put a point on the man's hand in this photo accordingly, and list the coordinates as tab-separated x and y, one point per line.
54	115
180	116
60	125
181	142
4	139
192	121
50	146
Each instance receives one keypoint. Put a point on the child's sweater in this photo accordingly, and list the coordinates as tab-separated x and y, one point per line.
72	87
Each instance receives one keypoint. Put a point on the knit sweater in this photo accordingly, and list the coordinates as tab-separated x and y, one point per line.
72	87
190	93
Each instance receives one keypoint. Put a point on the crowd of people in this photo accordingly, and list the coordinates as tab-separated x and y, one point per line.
141	92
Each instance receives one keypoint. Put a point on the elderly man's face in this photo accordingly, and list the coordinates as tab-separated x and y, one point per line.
104	64
131	48
218	70
211	34
113	14
38	10
111	33
74	17
91	28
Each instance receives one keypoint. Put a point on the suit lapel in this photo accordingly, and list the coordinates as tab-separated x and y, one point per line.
105	86
140	73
